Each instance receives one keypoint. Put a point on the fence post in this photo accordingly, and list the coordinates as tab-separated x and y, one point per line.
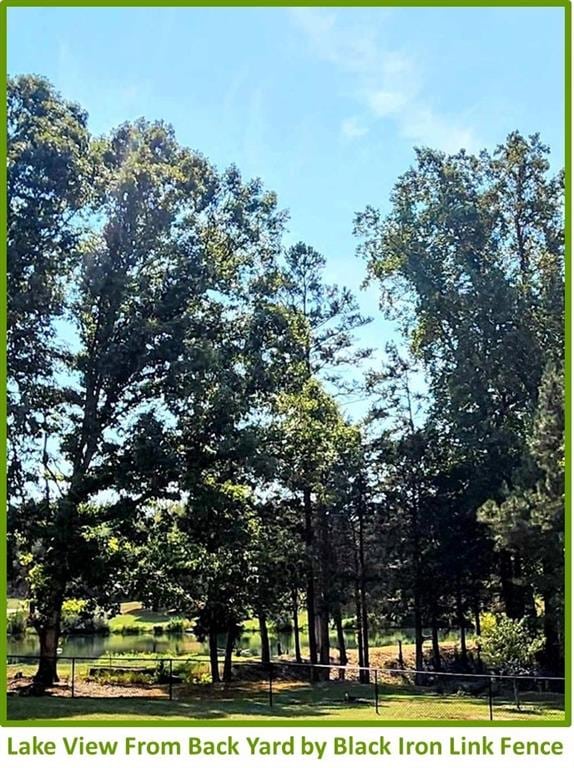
270	684
73	675
171	679
401	660
490	698
377	691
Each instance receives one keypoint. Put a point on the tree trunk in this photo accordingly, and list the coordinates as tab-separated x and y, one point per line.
437	661
553	657
419	640
229	645
213	657
364	675
512	594
49	635
323	597
359	621
461	620
298	657
310	590
340	640
476	609
265	651
47	672
365	633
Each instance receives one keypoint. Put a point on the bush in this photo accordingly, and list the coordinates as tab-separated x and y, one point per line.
510	647
196	674
77	619
17	623
125	677
349	624
177	626
130	629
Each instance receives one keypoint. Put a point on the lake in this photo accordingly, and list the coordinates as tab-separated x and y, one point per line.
249	644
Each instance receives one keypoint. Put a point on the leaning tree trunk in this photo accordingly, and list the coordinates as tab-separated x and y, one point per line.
213	656
265	651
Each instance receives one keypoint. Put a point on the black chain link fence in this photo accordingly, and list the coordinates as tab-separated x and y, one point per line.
288	689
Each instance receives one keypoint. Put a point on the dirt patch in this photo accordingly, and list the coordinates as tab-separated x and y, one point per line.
89	688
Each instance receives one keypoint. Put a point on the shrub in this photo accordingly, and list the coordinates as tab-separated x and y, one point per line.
510	647
78	619
177	626
196	674
125	677
16	623
130	629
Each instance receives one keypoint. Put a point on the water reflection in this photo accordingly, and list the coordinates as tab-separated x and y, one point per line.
249	644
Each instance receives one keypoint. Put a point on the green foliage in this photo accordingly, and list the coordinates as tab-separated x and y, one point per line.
177	626
180	440
510	647
80	618
16	623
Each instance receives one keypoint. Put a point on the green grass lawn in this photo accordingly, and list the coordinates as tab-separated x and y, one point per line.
321	702
132	615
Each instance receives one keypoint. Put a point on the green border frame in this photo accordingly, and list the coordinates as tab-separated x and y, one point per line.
273	723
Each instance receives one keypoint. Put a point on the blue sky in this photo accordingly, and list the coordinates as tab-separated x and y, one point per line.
324	104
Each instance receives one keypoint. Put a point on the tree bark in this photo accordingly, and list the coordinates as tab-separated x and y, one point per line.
231	636
512	594
437	661
476	609
213	657
461	620
359	620
265	651
364	675
340	640
553	652
419	640
310	586
296	634
48	629
323	596
47	672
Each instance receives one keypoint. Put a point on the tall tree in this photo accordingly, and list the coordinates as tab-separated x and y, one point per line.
49	171
470	260
329	317
126	322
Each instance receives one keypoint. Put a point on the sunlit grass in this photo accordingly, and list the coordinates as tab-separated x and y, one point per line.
292	701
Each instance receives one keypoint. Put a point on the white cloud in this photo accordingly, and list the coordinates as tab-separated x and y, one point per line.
388	84
352	128
384	103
